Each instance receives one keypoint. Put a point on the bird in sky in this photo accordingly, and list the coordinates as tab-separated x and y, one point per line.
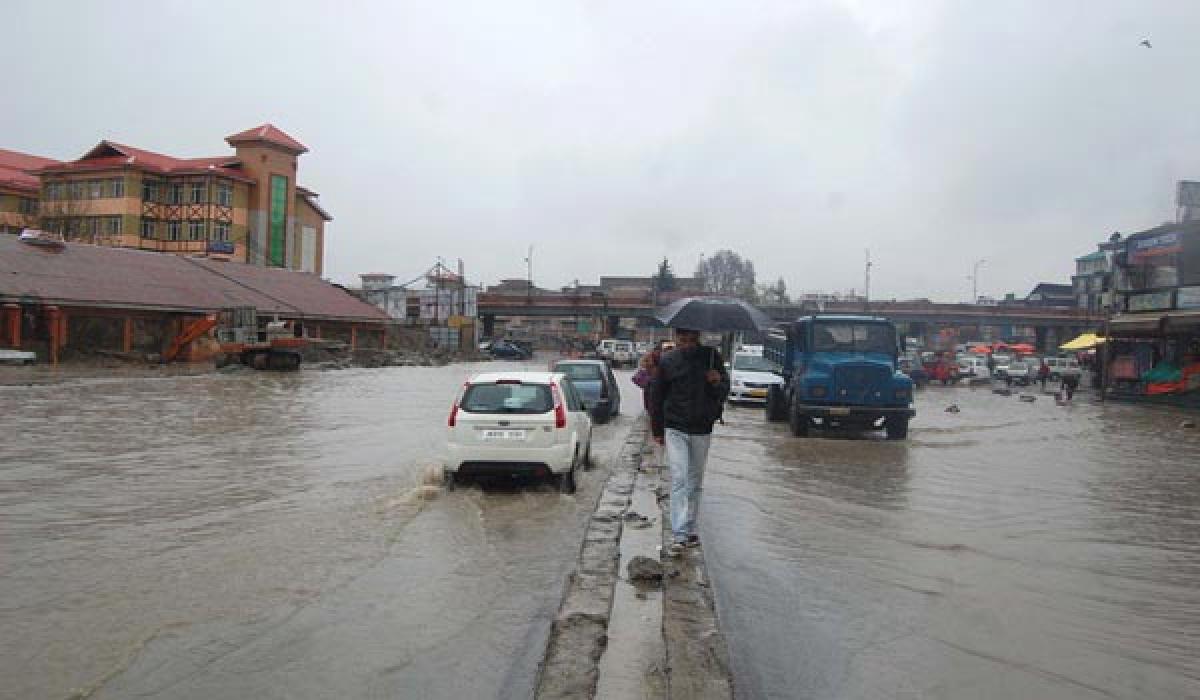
1146	43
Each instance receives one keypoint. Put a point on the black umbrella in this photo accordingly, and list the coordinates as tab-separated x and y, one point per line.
713	314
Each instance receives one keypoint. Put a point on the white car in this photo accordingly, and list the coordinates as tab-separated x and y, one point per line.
623	354
974	368
1063	367
750	377
518	424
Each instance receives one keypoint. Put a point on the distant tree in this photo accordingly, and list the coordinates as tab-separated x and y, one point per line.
774	294
728	274
664	279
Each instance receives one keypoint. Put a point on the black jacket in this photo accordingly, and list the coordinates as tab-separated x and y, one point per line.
682	399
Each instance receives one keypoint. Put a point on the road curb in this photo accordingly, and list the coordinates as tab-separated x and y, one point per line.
688	657
579	636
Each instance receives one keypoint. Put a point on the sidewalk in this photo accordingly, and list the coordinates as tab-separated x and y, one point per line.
615	638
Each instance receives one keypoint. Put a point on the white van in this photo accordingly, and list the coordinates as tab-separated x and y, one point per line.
974	368
1063	367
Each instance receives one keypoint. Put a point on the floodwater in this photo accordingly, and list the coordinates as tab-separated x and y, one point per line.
271	535
1010	550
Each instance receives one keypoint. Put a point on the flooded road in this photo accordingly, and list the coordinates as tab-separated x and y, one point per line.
1012	550
265	535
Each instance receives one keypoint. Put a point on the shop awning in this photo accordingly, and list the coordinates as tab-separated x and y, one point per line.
1136	324
1085	341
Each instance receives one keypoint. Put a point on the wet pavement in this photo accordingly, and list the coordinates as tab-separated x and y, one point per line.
271	535
1011	550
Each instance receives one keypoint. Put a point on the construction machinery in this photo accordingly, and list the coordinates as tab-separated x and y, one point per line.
276	345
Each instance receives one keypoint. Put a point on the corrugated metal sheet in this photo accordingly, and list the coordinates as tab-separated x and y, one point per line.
99	276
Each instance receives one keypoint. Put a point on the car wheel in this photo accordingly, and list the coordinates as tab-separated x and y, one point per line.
449	480
897	428
798	422
566	482
587	456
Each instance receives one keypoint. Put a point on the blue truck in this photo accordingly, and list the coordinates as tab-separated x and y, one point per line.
839	371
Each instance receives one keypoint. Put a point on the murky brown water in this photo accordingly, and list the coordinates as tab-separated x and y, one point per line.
266	535
1011	550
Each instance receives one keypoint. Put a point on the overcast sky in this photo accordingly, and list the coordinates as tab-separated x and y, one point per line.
611	134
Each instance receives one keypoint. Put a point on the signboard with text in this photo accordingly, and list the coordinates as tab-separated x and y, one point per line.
1154	301
1187	298
1160	244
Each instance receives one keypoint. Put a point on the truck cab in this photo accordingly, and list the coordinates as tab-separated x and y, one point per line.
839	371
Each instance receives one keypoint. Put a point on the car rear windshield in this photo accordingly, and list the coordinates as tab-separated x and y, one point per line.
581	373
752	363
837	336
507	398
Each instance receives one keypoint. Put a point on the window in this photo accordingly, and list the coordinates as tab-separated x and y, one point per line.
116	187
112	225
149	190
220	231
29	206
225	194
148	226
853	337
199	194
195	230
173	230
507	398
95	189
75	190
175	194
752	363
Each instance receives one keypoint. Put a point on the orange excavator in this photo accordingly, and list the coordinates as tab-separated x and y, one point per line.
192	331
276	346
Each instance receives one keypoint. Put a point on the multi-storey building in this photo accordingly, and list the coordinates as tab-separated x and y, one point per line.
246	207
19	189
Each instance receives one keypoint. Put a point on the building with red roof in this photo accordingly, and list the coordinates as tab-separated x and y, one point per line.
245	206
19	187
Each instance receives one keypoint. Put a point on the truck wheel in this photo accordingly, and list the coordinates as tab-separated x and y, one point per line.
776	411
897	428
799	422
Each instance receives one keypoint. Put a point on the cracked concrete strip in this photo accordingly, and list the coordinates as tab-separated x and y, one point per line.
579	635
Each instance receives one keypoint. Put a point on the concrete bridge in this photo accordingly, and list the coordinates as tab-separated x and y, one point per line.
1051	325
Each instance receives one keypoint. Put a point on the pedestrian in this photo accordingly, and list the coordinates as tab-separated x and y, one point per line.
645	377
1069	384
1043	374
687	398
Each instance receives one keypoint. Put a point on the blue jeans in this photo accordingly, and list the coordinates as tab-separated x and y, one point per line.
686	455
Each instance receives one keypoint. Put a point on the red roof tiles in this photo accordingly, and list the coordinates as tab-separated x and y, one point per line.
108	155
100	276
268	133
16	170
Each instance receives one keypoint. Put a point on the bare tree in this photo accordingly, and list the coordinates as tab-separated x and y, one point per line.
774	294
65	209
728	274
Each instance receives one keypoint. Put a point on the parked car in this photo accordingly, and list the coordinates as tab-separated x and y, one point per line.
1063	367
974	368
1021	372
623	354
508	350
751	376
1000	363
518	424
596	384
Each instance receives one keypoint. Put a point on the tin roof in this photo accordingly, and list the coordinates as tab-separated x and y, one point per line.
108	155
106	277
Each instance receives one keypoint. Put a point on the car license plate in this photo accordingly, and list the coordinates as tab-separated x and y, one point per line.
757	393
839	411
504	435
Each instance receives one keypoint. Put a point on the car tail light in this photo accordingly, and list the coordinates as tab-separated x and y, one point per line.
560	411
454	408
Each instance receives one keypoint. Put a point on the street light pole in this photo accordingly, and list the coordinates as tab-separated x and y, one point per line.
975	281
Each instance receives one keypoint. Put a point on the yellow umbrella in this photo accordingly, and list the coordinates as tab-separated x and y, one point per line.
1085	341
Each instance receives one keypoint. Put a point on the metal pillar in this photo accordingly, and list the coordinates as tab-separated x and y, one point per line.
127	335
54	323
12	320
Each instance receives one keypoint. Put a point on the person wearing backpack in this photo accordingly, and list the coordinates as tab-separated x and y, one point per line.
687	398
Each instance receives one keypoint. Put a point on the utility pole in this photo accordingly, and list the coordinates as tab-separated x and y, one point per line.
975	281
529	272
867	283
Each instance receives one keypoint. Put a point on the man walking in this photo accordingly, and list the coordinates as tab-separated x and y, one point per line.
687	398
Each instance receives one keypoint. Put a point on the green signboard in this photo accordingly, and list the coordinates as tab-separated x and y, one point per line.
279	185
